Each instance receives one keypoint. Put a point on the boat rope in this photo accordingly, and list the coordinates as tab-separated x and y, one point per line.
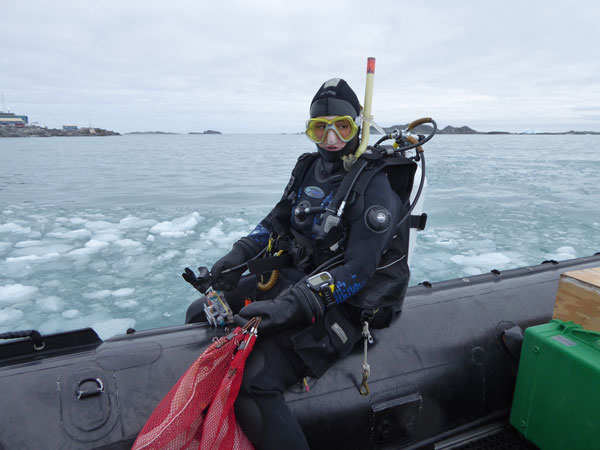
366	368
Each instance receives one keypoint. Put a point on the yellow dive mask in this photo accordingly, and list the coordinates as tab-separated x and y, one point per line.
344	126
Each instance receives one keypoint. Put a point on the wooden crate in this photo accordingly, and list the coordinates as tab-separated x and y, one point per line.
578	298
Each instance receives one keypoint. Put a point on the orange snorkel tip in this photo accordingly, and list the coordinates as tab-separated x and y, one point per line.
370	65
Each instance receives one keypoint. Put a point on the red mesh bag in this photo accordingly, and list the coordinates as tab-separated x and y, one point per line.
197	413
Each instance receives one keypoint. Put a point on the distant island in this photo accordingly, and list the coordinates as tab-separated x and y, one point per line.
426	129
37	131
150	132
206	132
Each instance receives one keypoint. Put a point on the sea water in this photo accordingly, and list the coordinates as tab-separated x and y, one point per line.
96	231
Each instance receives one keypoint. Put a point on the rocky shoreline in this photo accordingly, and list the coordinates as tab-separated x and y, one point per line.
35	131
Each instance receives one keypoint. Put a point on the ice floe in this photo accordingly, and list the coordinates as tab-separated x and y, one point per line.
10	315
179	227
13	293
51	303
110	327
14	228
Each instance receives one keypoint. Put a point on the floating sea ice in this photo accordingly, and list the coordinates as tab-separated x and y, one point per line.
223	240
14	228
108	236
168	255
111	327
40	248
72	234
569	250
179	227
98	295
10	315
98	225
471	271
123	292
492	260
127	243
13	293
150	238
132	222
92	246
70	313
236	221
33	258
125	304
51	324
51	303
5	246
449	234
25	244
562	254
74	220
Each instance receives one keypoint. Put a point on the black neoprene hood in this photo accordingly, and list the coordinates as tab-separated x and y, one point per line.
335	98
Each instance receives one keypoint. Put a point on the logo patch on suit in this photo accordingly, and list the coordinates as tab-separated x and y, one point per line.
378	218
314	192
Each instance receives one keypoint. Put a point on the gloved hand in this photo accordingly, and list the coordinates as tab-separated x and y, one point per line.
241	252
295	306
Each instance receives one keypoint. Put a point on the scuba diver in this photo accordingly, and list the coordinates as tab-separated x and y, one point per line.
330	272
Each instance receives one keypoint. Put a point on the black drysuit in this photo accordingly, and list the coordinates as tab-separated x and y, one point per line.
283	359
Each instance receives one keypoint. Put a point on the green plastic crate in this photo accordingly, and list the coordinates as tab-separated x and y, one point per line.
556	404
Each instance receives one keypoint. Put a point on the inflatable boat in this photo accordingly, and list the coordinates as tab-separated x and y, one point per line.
441	371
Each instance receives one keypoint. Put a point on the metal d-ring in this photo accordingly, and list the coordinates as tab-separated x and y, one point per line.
92	392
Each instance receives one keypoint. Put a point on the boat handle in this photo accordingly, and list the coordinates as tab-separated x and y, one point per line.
99	389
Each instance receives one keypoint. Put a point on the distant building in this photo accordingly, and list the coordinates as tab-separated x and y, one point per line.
11	119
69	127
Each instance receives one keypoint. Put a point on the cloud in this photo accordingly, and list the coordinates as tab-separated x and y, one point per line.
242	66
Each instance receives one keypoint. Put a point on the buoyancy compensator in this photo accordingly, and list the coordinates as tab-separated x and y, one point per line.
388	285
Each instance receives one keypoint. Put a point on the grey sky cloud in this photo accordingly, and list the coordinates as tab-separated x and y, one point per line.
241	66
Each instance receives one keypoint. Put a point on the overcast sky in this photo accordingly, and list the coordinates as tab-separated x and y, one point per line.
254	65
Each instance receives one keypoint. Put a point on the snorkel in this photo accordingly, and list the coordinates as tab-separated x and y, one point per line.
349	160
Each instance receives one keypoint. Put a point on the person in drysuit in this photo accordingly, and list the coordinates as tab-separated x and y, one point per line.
310	318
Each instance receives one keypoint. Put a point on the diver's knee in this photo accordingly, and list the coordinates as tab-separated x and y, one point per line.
253	371
249	416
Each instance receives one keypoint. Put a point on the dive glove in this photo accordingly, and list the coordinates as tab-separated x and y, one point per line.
241	252
298	305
